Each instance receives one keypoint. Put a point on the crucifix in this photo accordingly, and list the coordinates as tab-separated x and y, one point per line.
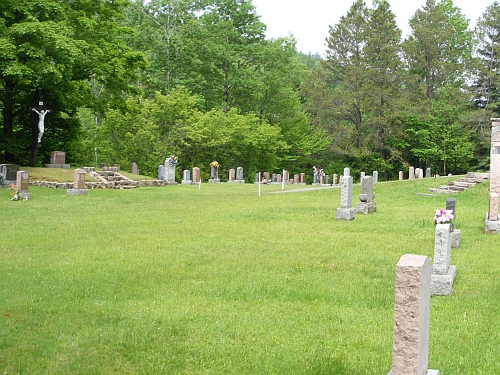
41	119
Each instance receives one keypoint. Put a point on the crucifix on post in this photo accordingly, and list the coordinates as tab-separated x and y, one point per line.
41	120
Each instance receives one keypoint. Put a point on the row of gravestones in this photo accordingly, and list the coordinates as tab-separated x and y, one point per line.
22	183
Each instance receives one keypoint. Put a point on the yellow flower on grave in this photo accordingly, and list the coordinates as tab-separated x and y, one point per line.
214	164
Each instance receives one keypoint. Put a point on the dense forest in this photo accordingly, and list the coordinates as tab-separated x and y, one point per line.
136	81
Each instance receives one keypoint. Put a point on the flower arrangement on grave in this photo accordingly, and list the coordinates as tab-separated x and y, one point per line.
443	216
15	195
172	160
215	164
318	171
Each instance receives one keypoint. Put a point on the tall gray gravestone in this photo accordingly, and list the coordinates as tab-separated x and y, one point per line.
428	173
456	234
375	177
186	177
161	169
491	222
133	168
239	175
169	170
346	211
367	205
412	301
443	275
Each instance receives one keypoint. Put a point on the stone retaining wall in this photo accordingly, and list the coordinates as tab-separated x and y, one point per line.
98	185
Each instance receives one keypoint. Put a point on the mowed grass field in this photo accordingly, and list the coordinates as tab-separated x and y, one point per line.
217	280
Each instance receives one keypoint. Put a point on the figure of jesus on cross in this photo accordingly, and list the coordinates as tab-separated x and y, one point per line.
41	119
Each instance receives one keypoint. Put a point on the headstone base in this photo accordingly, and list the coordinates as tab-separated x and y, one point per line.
366	208
237	182
442	285
25	195
316	184
491	226
346	213
455	238
56	165
186	182
214	180
7	182
429	372
325	185
77	191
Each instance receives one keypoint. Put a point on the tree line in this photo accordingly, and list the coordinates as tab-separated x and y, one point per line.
135	81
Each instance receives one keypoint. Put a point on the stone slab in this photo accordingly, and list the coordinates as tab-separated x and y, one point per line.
491	226
442	285
366	208
347	214
77	191
442	247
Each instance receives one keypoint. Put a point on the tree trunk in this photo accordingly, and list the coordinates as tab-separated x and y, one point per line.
8	119
34	129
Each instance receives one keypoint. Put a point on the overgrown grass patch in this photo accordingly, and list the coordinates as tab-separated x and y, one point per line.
219	280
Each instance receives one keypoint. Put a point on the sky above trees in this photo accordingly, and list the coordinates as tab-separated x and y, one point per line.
309	20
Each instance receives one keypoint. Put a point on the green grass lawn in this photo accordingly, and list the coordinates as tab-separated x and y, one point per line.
217	280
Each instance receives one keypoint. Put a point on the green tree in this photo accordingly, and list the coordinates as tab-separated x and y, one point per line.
51	50
438	52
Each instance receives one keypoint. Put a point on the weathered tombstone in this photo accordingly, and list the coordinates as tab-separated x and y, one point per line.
257	178
214	173
367	205
133	168
347	172
443	275
412	301
428	173
274	178
455	233
161	169
412	173
375	177
169	169
302	178
296	179
9	171
57	160
327	180
491	222
79	187
335	177
420	173
196	175
363	174
401	175
346	211
239	175
22	184
279	178
417	173
231	175
186	177
321	179
286	177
